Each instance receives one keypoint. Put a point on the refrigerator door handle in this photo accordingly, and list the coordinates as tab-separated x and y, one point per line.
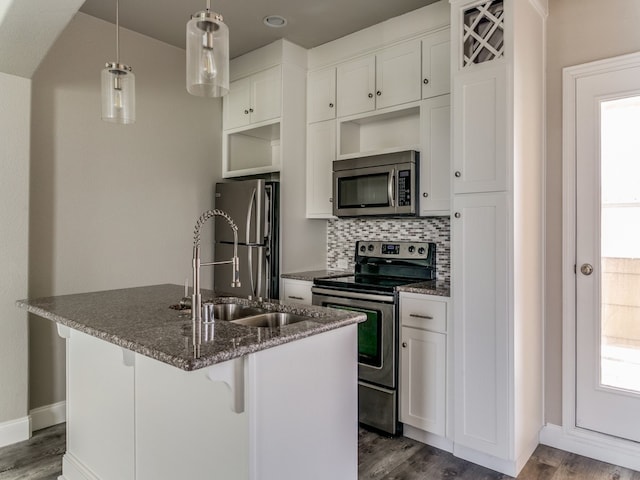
267	271
259	274
252	201
250	266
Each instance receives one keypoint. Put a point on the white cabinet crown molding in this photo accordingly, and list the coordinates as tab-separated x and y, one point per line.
412	25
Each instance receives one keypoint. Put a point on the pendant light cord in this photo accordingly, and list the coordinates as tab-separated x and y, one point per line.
118	32
208	5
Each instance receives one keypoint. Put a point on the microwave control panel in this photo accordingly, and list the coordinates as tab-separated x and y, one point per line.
404	188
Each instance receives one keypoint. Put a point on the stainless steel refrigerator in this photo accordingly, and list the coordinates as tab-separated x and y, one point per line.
253	206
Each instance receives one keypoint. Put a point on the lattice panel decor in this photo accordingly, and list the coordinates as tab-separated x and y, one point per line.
483	32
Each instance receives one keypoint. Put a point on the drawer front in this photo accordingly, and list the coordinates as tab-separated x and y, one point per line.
418	312
296	291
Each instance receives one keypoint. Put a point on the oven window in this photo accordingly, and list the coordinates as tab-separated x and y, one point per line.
364	191
369	335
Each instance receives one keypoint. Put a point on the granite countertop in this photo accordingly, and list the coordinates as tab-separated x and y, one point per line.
313	274
139	319
432	287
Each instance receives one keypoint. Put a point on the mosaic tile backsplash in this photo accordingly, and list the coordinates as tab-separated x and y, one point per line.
343	233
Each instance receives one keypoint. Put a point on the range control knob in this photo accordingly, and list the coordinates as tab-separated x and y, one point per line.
362	248
371	248
421	251
411	249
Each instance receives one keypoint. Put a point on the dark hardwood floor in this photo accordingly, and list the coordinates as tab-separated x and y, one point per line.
39	458
380	458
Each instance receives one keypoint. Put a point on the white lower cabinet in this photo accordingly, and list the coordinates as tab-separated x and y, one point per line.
100	409
479	254
133	417
423	362
422	398
296	291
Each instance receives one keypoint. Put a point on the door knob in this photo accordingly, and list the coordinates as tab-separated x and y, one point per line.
404	344
586	269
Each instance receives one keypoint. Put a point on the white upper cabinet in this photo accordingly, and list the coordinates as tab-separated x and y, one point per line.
435	157
480	131
392	77
356	86
398	75
436	64
253	99
321	152
236	104
321	95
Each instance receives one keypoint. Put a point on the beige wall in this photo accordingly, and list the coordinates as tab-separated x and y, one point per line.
112	206
15	94
579	31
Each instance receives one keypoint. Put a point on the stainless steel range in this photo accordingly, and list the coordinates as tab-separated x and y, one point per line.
380	268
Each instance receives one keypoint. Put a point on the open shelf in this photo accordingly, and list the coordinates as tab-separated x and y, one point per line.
255	150
386	132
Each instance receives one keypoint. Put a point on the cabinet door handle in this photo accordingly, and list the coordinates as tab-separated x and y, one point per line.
425	194
330	200
331	105
370	95
425	81
378	93
251	110
404	344
292	297
246	112
457	174
417	315
457	215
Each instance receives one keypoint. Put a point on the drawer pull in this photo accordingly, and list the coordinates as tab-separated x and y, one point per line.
416	315
295	298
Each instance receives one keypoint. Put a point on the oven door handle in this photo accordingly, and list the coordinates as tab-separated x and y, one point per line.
352	295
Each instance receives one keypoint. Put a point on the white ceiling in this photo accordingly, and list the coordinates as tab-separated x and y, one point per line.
310	22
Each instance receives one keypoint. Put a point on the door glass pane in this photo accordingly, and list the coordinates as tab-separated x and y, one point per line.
620	243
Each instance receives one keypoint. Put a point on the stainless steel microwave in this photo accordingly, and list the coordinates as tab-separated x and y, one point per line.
384	185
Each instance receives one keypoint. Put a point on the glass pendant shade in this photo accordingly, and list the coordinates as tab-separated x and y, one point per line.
207	55
118	94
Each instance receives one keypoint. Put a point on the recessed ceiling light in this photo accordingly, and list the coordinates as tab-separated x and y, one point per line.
275	21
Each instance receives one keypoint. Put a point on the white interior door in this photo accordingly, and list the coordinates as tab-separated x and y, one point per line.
608	251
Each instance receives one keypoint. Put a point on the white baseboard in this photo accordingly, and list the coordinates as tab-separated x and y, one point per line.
73	469
488	461
593	445
14	431
48	415
428	438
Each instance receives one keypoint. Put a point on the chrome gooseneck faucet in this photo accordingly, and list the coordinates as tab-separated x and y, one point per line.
196	299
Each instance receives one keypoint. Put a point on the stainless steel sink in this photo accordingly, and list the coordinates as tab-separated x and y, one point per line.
270	320
233	311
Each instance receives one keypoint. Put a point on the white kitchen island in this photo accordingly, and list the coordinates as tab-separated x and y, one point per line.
255	404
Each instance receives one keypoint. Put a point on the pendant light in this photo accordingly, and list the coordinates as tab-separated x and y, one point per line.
118	86
207	54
